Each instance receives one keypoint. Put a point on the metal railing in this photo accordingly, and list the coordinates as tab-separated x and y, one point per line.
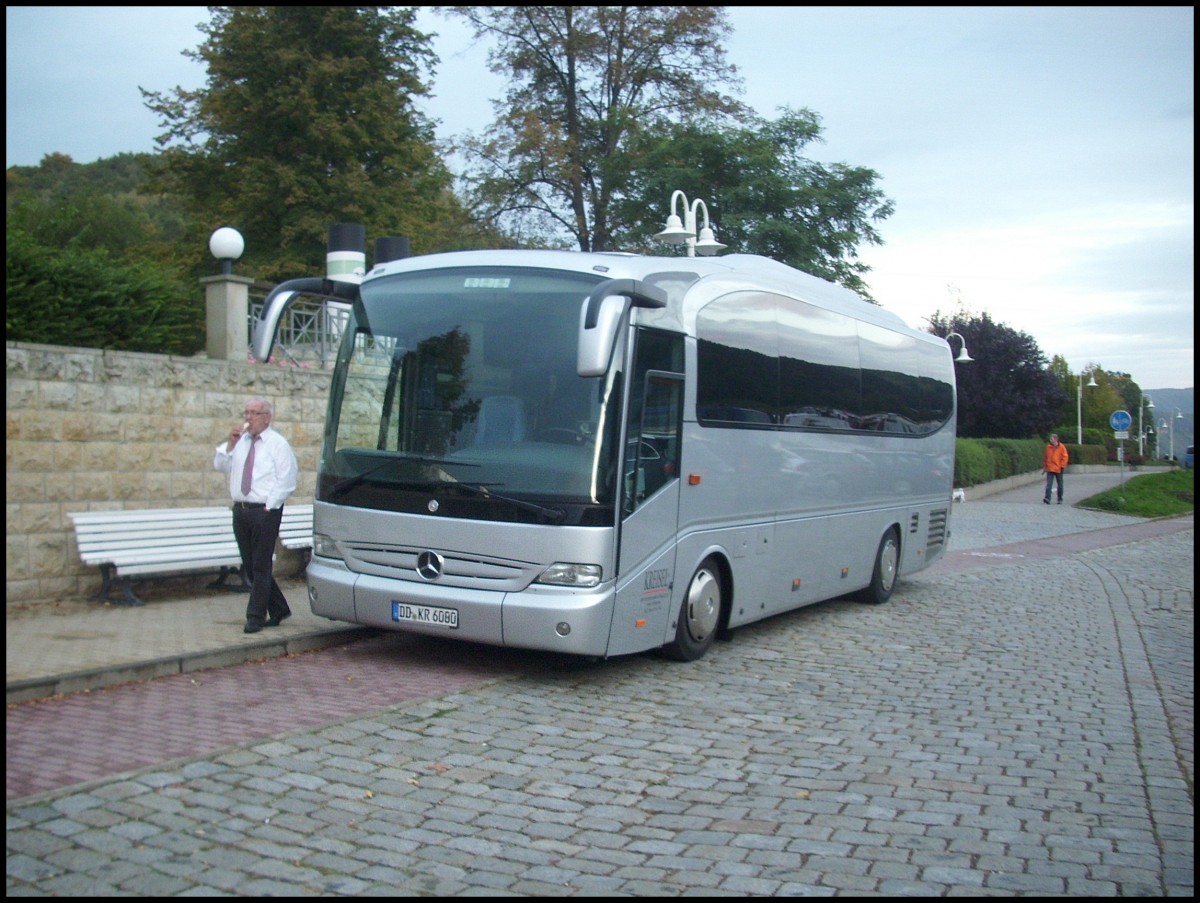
309	333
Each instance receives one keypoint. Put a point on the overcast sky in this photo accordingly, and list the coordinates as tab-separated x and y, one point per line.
1041	159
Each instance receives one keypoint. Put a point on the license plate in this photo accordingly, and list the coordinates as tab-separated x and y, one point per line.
425	614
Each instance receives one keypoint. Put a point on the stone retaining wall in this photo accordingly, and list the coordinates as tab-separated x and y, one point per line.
90	430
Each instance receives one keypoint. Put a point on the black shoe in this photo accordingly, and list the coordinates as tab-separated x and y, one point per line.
252	627
1060	501
1045	501
278	619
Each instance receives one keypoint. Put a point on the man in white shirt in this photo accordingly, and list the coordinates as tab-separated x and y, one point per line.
258	493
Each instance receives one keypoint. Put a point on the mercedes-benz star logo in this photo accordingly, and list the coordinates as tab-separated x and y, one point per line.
429	565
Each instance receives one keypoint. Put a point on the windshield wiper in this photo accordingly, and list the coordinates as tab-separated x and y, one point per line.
483	491
349	483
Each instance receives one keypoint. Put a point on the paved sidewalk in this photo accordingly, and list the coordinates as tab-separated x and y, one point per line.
83	645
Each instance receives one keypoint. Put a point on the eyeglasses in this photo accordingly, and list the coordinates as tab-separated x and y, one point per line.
254	413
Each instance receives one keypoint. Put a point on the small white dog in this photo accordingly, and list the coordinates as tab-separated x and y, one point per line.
959	495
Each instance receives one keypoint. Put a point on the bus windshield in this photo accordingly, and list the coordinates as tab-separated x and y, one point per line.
456	391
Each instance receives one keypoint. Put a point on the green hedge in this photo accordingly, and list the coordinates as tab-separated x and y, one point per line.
1013	456
87	298
1088	454
1094	439
972	463
983	460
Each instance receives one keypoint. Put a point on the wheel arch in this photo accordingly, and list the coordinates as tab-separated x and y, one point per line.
723	565
877	592
720	557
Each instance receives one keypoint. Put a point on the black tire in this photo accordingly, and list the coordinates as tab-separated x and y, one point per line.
887	565
699	615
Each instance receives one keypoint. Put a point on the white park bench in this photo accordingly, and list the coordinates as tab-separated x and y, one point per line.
295	530
162	541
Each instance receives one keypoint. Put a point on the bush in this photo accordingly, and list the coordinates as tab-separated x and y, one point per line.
983	460
1091	437
84	297
1087	454
972	463
1013	456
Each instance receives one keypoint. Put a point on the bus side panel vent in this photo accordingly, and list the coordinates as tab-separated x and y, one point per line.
914	524
937	530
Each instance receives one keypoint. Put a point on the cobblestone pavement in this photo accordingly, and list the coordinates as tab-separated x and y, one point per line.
1021	727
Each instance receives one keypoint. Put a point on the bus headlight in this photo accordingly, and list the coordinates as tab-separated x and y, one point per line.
324	546
567	574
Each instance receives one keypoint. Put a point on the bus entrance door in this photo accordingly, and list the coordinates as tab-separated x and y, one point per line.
650	516
646	574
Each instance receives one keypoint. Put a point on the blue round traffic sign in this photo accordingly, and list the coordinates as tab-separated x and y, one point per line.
1120	420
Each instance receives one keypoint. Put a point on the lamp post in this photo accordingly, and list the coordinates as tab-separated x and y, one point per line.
963	357
1079	404
1178	416
227	300
1147	402
680	231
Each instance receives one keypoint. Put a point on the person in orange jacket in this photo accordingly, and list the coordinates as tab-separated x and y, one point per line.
1054	462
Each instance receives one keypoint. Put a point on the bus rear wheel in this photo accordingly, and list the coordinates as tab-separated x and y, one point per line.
887	564
699	615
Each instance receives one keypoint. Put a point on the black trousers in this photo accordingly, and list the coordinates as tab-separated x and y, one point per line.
256	530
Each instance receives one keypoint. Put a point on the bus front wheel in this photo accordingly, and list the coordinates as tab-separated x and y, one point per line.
699	615
883	578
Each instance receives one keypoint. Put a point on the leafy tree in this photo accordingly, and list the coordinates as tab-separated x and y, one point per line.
307	119
54	173
88	219
767	197
1113	391
585	80
1128	396
115	193
1008	391
57	175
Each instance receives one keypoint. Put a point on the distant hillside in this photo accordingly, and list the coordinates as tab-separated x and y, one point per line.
59	176
1166	403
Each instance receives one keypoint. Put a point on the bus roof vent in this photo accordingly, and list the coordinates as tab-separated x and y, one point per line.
389	248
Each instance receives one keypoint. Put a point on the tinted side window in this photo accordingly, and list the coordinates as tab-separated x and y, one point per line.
737	361
771	361
891	396
819	377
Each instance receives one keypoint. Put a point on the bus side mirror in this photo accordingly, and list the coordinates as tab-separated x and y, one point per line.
281	298
596	341
601	316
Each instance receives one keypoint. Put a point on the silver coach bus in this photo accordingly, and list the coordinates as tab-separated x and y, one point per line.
601	454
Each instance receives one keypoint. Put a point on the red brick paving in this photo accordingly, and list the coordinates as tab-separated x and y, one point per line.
66	740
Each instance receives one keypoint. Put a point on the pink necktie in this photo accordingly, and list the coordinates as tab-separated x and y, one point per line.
248	467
